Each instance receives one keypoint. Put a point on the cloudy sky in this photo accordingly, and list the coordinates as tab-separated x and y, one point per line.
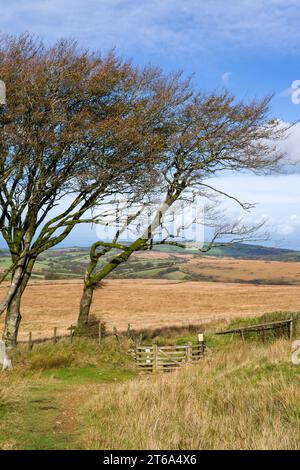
251	47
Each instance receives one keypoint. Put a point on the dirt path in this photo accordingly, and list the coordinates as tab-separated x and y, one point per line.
69	402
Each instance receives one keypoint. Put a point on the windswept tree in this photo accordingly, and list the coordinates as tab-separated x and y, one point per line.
76	128
209	135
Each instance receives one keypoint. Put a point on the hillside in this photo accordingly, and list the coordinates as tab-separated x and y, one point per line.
173	263
241	251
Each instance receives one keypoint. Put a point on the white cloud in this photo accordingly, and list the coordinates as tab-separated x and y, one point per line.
226	77
285	93
277	199
196	24
288	225
291	146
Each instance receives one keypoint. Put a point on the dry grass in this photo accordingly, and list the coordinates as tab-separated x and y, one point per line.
233	270
245	397
148	303
10	394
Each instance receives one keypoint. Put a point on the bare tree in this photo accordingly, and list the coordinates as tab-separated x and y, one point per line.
210	135
77	127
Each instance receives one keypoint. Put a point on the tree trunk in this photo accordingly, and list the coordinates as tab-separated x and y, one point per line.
13	316
92	279
85	305
15	282
12	320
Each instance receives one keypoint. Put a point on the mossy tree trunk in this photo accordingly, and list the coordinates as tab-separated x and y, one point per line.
13	315
92	279
85	306
12	320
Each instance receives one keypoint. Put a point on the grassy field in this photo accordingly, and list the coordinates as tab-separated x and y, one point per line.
160	288
243	271
148	303
86	396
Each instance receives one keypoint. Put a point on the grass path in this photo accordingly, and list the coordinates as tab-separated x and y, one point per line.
41	399
69	403
48	417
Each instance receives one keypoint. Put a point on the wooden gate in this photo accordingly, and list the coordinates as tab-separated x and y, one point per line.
167	358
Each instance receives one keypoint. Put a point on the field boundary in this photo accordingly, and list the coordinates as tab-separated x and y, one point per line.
136	335
282	326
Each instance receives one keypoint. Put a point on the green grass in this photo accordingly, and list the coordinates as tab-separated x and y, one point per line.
219	342
83	375
82	354
176	276
28	415
30	404
148	273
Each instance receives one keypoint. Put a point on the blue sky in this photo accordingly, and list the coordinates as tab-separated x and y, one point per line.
251	47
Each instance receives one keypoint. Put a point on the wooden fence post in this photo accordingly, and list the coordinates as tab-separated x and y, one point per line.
189	353
115	331
155	358
291	329
71	333
55	335
100	332
30	341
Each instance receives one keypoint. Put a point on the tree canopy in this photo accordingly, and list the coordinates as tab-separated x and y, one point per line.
75	124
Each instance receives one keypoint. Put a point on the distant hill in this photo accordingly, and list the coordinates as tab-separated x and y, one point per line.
171	262
240	251
244	251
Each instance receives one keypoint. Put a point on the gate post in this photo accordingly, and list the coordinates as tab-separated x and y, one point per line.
201	344
155	358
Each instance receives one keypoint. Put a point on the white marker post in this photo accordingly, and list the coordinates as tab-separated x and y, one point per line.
2	93
201	343
4	358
